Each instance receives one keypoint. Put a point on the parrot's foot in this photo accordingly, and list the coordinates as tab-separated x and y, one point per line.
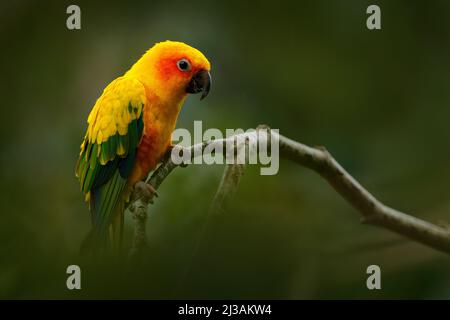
145	191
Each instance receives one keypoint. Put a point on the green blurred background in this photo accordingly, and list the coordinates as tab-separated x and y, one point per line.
378	100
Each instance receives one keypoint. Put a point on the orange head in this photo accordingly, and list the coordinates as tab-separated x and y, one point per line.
173	69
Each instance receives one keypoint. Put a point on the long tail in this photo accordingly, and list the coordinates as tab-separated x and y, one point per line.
107	208
116	232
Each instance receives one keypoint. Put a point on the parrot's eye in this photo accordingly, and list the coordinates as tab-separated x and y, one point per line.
184	65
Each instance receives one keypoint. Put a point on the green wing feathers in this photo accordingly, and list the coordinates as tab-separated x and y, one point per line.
108	153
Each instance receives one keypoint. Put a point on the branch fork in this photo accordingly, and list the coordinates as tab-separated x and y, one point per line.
318	159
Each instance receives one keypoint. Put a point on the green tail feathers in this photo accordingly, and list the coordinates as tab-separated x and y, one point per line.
107	214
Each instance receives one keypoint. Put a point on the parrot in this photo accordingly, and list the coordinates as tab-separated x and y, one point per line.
129	131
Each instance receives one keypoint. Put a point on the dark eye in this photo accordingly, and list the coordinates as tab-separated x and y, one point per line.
184	65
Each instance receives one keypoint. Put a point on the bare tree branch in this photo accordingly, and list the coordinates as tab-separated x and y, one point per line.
230	179
227	187
225	192
139	211
320	160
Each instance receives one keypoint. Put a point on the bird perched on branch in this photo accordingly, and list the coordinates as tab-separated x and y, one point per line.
129	131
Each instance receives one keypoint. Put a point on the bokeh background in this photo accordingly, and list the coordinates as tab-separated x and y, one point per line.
378	100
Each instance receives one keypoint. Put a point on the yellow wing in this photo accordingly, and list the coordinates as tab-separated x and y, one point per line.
108	152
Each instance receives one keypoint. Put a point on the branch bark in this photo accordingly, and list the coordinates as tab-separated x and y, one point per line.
227	187
321	161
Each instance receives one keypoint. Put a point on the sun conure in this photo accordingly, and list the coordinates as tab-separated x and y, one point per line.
129	130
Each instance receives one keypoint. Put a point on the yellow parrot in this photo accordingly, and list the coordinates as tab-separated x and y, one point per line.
129	130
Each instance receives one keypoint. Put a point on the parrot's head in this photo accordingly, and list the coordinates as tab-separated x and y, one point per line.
174	69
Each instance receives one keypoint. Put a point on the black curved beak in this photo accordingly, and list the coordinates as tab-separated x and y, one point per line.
200	82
